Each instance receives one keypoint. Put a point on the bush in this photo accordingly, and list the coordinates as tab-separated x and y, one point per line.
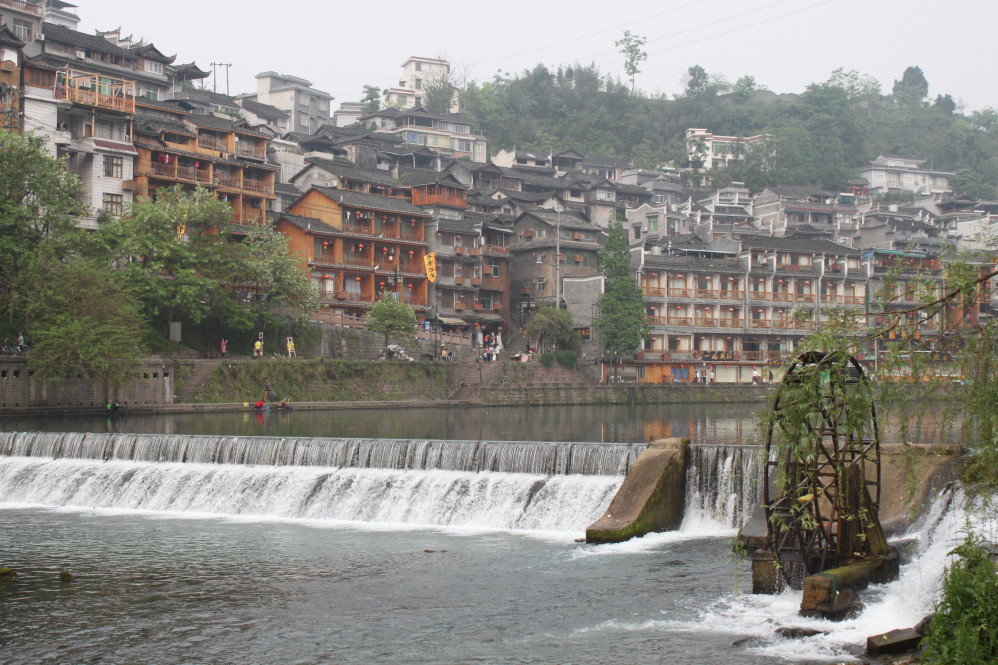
546	359
566	358
964	630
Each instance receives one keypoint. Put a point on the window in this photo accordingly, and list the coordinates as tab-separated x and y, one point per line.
104	129
419	66
462	145
540	233
113	166
419	84
652	222
113	204
539	285
492	269
154	67
151	93
539	257
22	29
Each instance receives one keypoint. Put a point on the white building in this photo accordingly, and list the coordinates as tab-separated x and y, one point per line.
418	75
890	172
309	108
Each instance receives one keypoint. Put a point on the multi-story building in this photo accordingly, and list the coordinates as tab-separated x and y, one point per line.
10	80
190	150
23	18
734	306
781	209
891	172
418	76
358	247
307	106
449	134
548	247
715	151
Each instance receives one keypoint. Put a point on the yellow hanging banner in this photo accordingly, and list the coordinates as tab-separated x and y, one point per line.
430	261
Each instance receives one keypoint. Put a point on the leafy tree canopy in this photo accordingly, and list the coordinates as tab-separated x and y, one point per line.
552	327
391	318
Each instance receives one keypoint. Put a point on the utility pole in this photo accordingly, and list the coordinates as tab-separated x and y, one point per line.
557	260
214	75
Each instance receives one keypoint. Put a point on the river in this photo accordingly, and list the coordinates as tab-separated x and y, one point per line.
452	560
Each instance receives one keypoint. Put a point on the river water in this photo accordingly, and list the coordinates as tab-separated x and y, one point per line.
186	548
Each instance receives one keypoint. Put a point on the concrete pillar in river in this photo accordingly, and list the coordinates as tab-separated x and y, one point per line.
651	497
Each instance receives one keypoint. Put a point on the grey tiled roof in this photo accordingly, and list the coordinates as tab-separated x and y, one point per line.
221	124
265	111
58	33
798	244
567	220
799	192
308	223
372	201
346	169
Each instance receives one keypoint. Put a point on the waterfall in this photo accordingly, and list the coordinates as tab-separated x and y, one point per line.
723	487
474	456
502	485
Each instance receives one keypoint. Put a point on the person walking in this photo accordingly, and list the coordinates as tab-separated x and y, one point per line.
755	375
258	349
224	346
268	391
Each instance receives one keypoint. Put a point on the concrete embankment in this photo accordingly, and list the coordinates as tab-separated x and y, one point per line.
651	497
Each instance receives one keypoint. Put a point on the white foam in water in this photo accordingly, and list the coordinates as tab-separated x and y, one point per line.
722	489
898	604
483	500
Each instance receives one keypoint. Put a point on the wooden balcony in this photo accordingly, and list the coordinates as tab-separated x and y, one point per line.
361	229
165	170
91	97
359	261
212	143
653	291
250	152
422	197
412	236
730	295
679	293
227	180
261	186
496	249
193	174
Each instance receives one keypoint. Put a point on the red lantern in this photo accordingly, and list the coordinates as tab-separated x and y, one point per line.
381	284
325	243
360	246
325	277
409	285
357	278
411	252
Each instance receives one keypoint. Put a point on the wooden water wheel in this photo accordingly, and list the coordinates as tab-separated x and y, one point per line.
822	476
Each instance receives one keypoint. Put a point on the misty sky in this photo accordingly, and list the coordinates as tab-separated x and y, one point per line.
784	44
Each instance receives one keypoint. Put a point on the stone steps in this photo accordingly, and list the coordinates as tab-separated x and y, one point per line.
202	370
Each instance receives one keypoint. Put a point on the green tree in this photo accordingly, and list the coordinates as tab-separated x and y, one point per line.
371	100
622	324
263	259
697	81
171	253
391	318
552	327
84	321
912	88
39	201
631	48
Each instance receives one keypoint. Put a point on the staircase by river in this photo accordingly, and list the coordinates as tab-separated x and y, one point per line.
202	370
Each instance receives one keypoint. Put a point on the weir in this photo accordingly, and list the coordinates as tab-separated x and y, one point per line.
504	485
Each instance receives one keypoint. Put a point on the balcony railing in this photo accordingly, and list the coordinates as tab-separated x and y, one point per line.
495	249
93	98
413	236
226	180
212	143
679	293
420	197
730	295
251	152
653	291
167	170
24	6
261	186
191	173
360	261
362	229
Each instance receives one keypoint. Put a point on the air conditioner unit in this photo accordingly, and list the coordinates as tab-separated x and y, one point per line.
39	36
80	53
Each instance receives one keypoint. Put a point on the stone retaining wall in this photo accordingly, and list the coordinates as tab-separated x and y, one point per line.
153	384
